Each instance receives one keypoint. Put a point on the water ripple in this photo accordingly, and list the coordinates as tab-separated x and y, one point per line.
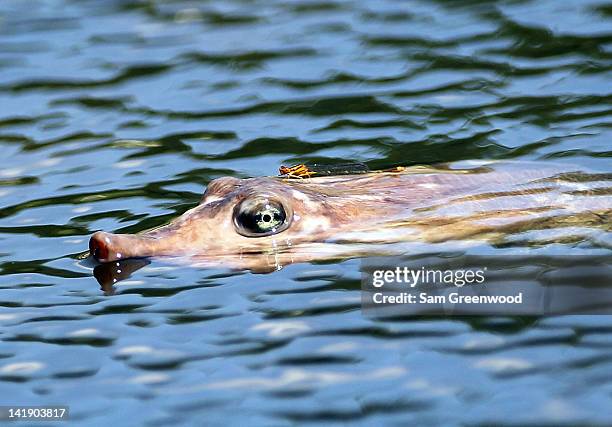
115	115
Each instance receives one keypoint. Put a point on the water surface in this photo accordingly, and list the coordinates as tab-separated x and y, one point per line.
115	115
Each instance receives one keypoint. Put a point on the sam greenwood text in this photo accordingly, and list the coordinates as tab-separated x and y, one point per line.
452	298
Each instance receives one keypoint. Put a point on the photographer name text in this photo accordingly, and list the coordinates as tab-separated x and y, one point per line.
451	298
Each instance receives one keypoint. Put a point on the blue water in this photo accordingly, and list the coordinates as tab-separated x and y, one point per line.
115	115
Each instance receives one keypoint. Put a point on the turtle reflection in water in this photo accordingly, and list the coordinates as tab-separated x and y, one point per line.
266	222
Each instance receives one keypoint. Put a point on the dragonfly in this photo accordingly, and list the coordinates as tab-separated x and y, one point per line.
302	171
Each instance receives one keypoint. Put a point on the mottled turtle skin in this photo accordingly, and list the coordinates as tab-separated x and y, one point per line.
353	215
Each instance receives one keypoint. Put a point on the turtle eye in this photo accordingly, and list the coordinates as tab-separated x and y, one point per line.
258	217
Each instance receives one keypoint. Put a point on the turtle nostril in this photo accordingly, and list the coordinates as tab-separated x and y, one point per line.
98	246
